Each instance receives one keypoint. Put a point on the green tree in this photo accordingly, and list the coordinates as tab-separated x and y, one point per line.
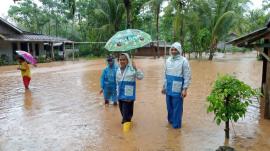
155	5
229	100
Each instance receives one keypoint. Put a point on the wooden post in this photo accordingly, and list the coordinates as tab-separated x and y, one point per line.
52	51
19	46
267	84
264	72
73	51
28	47
64	49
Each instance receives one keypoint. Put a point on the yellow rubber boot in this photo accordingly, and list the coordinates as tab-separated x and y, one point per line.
126	126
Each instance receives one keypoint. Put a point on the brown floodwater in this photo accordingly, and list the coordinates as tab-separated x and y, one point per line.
63	110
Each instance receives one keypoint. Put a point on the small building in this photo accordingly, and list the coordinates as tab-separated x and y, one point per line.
260	40
12	38
151	49
223	45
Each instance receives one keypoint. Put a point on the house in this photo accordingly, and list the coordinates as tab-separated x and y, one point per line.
260	40
223	45
151	49
12	38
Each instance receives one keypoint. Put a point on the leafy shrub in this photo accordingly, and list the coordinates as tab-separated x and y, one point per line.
4	59
229	99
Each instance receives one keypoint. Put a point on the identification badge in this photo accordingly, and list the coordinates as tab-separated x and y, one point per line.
176	86
129	90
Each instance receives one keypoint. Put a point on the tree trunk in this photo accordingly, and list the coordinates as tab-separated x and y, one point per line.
157	26
211	55
227	130
212	51
227	126
128	8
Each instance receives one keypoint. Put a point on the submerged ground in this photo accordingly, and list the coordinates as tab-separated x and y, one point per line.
64	111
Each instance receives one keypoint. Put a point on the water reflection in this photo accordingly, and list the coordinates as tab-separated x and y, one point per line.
28	99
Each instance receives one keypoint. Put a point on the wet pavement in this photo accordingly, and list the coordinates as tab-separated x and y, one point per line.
63	110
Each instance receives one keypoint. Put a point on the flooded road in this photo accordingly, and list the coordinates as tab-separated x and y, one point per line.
63	110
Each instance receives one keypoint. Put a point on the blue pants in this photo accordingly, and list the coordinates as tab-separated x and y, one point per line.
110	94
175	110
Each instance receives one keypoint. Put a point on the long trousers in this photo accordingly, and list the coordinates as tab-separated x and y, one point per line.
175	110
26	81
126	109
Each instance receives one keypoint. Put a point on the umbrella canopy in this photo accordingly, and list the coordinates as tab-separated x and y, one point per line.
27	56
128	39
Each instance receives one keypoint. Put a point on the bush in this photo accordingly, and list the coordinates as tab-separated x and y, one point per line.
4	59
41	59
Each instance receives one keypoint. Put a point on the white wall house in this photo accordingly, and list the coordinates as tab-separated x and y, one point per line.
13	38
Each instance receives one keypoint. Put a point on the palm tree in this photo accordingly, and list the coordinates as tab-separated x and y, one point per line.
221	27
155	5
128	8
179	24
217	16
107	17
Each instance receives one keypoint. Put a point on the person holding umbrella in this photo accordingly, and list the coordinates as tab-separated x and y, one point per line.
126	88
23	58
177	81
25	71
127	73
108	81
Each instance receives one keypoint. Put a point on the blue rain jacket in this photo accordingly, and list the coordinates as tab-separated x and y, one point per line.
108	83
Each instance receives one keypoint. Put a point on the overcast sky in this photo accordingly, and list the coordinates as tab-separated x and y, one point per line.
5	4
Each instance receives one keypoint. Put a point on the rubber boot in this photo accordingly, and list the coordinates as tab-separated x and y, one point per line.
126	126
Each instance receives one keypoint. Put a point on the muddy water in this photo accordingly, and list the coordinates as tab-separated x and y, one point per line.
64	111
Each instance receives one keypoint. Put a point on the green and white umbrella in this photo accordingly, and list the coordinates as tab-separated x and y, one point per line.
128	39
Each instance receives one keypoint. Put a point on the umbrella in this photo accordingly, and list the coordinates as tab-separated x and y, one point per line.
128	39
27	56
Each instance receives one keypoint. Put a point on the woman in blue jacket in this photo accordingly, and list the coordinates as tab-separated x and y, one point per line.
126	77
108	81
177	80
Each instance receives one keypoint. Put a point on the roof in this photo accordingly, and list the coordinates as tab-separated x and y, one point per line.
14	28
154	44
28	36
248	39
33	38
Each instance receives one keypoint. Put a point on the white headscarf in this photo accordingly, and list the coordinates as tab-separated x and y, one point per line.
177	46
128	58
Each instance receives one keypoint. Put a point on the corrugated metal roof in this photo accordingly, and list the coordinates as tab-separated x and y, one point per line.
11	26
34	38
28	36
248	39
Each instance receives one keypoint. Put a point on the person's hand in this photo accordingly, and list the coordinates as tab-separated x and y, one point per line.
163	91
134	65
184	93
101	91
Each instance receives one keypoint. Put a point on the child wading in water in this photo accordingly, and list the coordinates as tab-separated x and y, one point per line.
108	81
126	77
25	71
